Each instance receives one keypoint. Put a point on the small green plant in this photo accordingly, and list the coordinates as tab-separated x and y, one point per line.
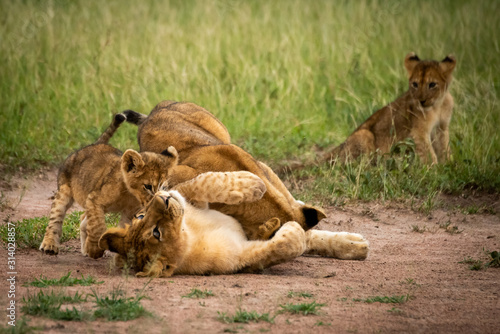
449	228
117	307
473	264
495	259
304	308
242	316
197	293
410	282
49	305
66	280
395	310
385	299
418	229
292	294
429	203
321	323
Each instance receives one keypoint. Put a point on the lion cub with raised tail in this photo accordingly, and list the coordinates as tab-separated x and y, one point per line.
103	180
170	236
423	113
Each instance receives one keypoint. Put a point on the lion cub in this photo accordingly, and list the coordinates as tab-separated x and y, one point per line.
170	236
103	180
423	113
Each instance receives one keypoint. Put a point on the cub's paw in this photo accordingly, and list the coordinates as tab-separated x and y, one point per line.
92	250
267	229
49	246
152	270
290	239
340	245
247	187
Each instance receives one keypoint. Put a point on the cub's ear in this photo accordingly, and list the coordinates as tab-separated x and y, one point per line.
411	60
132	161
313	215
447	65
171	152
114	240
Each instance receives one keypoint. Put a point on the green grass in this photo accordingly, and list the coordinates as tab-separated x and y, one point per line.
113	307
197	293
303	308
49	305
65	280
283	76
493	259
301	294
385	299
21	327
30	232
117	307
242	316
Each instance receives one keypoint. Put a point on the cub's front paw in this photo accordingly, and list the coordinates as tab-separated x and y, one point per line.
49	246
92	250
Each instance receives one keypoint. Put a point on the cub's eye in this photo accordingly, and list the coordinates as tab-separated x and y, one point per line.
432	85
148	187
414	84
139	216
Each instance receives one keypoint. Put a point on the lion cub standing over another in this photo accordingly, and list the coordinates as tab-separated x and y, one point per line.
101	180
423	113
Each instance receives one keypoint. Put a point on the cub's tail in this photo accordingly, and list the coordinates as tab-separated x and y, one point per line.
118	119
134	117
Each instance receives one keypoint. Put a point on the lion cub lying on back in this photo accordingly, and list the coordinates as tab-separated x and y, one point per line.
101	180
170	236
423	113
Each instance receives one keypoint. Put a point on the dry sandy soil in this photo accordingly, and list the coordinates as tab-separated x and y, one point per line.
445	295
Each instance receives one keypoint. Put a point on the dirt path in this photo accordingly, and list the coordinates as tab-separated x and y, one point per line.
444	296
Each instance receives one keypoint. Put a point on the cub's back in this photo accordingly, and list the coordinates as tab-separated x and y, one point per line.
182	125
89	168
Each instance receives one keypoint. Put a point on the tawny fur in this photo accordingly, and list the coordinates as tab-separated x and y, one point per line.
170	236
423	113
204	145
102	180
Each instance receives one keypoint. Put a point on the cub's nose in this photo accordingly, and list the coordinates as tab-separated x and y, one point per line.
165	199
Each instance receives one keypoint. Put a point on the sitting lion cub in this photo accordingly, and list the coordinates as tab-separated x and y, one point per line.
423	113
170	236
101	180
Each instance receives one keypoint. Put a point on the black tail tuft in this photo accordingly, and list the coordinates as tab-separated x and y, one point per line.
134	117
119	119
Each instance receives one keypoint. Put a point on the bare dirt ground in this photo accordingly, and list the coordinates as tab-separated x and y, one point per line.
445	296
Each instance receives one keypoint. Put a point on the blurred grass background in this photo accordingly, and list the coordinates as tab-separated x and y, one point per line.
283	76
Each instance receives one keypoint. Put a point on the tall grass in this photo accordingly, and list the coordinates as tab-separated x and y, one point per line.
283	76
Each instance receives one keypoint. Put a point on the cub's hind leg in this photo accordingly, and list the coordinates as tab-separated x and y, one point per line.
62	202
339	245
288	243
360	142
93	227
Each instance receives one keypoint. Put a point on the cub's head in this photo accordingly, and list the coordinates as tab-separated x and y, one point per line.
429	80
145	173
153	244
